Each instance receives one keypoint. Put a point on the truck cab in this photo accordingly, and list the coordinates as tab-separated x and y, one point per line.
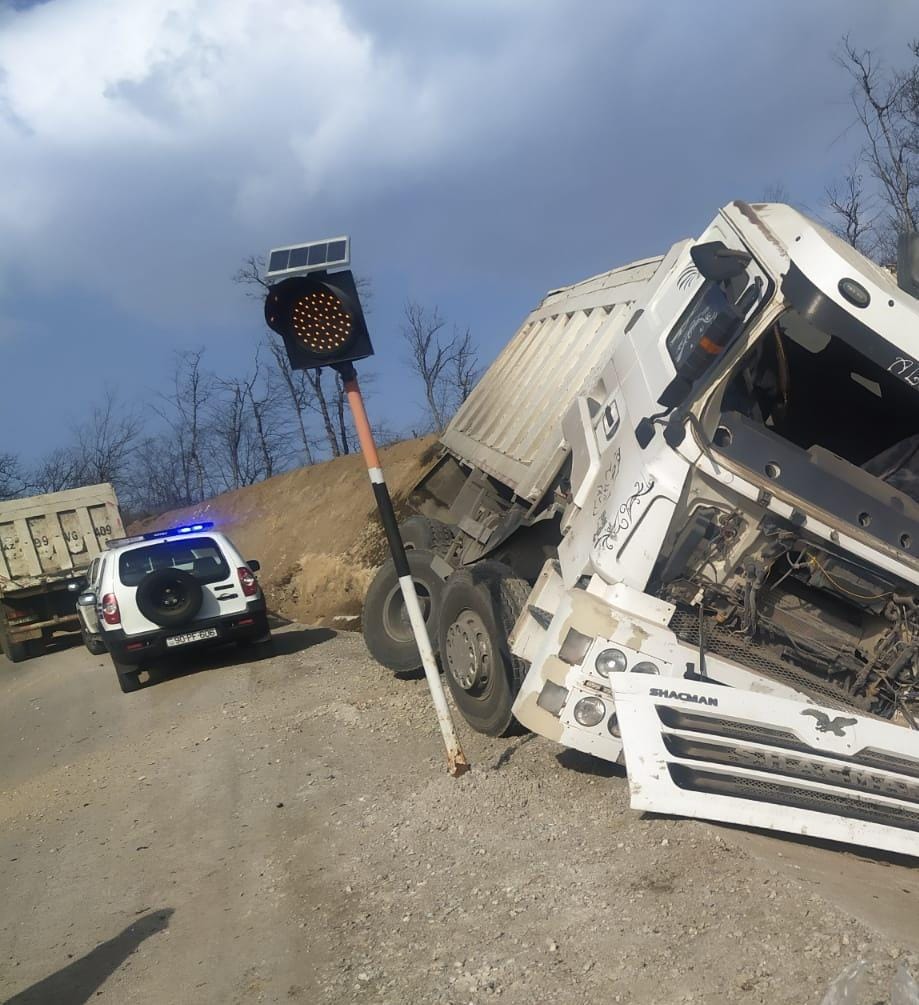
752	521
704	467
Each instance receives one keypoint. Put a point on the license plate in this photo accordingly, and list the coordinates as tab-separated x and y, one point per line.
181	640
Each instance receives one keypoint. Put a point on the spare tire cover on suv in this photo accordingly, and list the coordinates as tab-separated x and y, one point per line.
169	597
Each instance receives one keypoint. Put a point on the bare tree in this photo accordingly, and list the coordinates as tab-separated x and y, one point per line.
104	442
155	483
447	365
298	391
101	450
56	471
228	417
320	404
185	410
776	191
886	104
12	481
262	404
854	214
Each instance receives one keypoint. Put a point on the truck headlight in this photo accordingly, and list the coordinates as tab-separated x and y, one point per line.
610	661
589	711
646	666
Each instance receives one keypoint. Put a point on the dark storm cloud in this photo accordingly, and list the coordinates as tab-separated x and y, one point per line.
477	153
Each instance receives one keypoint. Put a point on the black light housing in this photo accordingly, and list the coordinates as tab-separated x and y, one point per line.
320	318
854	292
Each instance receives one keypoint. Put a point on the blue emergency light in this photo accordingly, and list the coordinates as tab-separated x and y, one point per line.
192	528
156	535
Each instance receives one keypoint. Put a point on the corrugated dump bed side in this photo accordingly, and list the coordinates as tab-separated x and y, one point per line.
511	425
55	534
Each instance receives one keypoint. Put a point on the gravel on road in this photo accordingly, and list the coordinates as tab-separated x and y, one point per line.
285	830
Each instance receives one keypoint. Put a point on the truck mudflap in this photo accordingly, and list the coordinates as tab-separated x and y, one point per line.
730	755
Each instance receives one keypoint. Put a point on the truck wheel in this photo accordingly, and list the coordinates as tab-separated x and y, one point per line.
384	621
423	532
93	643
16	652
480	606
169	597
127	676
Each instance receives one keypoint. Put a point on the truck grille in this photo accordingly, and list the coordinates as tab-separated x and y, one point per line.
760	659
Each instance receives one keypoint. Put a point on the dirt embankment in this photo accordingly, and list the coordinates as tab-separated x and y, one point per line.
315	530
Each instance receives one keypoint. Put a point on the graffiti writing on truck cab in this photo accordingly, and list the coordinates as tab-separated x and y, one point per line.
605	486
906	369
609	530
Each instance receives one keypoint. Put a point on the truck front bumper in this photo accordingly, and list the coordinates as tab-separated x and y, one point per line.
726	744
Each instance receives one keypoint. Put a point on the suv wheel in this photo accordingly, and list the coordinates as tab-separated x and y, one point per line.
93	642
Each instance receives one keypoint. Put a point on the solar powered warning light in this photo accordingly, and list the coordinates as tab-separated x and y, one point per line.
318	314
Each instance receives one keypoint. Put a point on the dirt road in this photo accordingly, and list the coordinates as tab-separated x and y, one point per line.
283	831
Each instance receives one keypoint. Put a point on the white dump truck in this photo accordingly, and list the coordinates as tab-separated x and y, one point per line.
47	543
677	524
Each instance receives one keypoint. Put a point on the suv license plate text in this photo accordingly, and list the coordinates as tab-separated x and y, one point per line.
181	640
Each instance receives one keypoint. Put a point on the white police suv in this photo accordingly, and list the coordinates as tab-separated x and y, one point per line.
168	591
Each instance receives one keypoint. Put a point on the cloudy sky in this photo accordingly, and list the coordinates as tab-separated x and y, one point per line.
478	153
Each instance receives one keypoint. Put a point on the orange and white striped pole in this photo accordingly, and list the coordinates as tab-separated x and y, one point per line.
456	759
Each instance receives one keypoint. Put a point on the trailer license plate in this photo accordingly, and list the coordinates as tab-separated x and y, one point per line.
181	640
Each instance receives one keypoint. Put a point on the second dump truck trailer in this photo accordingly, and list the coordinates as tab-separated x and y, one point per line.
677	523
47	543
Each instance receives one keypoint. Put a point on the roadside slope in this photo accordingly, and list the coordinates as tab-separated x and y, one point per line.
315	530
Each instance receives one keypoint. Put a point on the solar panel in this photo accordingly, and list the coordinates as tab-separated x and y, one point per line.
297	259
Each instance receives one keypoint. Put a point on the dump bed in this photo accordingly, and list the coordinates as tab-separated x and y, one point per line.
56	535
511	425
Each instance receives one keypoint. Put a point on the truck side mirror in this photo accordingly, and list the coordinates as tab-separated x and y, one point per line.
644	432
254	564
673	395
87	599
717	262
675	431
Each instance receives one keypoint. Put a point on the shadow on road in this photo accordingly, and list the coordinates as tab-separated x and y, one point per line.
587	764
77	982
283	643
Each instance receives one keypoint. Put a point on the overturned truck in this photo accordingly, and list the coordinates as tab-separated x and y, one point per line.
677	524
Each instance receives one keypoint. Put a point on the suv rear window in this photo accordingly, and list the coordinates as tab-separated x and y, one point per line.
201	556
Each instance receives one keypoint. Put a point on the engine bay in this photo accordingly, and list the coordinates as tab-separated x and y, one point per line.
763	591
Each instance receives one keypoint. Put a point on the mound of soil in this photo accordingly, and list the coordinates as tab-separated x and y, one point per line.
315	530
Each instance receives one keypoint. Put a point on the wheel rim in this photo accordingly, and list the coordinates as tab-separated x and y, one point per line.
171	597
395	616
468	652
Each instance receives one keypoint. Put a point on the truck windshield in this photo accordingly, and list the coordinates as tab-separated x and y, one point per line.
812	387
199	556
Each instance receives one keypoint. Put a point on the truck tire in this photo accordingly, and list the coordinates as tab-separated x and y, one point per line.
384	621
480	606
169	597
16	652
127	676
423	532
